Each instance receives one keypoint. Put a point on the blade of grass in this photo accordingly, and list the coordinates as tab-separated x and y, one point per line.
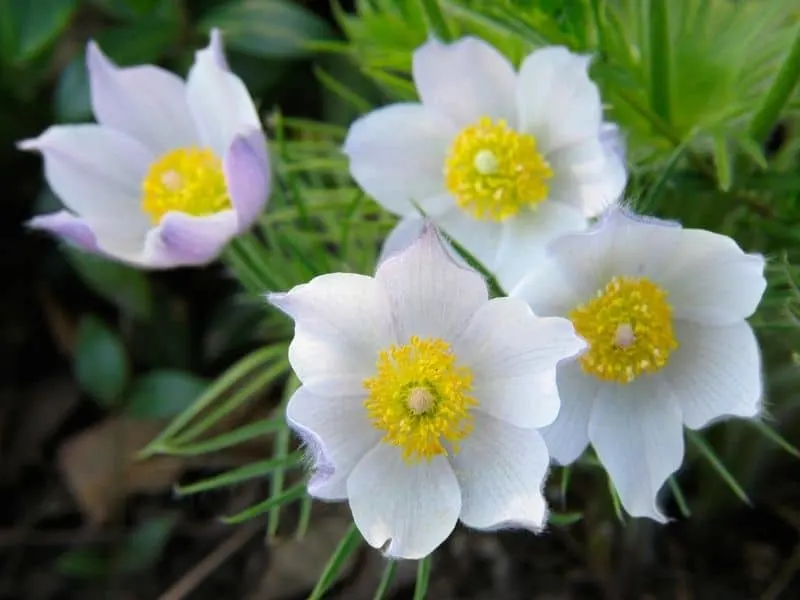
228	379
386	580
680	499
615	500
660	58
247	391
423	578
228	439
251	471
285	497
348	544
768	432
778	95
709	454
280	449
437	24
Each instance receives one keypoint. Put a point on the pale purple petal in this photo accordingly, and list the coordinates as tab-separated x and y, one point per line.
68	227
186	240
219	101
248	176
145	102
96	172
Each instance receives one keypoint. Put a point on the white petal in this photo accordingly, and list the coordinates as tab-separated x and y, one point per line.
527	236
502	470
405	233
342	322
568	436
548	289
430	295
589	175
337	434
715	372
219	102
558	102
397	154
145	102
513	356
466	80
637	432
711	280
182	240
97	172
407	510
620	244
481	239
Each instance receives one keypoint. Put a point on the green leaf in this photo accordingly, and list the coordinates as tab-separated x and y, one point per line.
723	161
100	364
680	499
34	25
123	285
350	541
228	439
423	578
83	563
768	432
144	40
161	394
144	546
268	28
72	100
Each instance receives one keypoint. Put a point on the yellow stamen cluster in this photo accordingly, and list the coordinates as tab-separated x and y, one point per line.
493	172
628	326
419	397
188	180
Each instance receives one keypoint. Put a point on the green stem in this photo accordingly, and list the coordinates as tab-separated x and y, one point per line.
660	76
437	24
778	95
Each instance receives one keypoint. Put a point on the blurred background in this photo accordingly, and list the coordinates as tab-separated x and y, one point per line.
95	357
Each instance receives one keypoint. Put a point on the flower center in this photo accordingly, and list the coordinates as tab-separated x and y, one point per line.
494	172
419	397
628	326
188	180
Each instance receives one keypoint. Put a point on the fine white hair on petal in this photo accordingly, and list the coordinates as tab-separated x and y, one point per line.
145	102
465	80
406	512
430	294
502	471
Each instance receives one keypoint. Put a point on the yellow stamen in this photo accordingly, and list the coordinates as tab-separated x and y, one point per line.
419	397
494	172
628	326
188	180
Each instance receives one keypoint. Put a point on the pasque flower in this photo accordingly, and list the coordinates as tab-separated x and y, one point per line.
663	310
170	173
501	161
420	397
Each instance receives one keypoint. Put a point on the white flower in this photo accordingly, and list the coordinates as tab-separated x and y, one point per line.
172	171
502	161
420	397
663	310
